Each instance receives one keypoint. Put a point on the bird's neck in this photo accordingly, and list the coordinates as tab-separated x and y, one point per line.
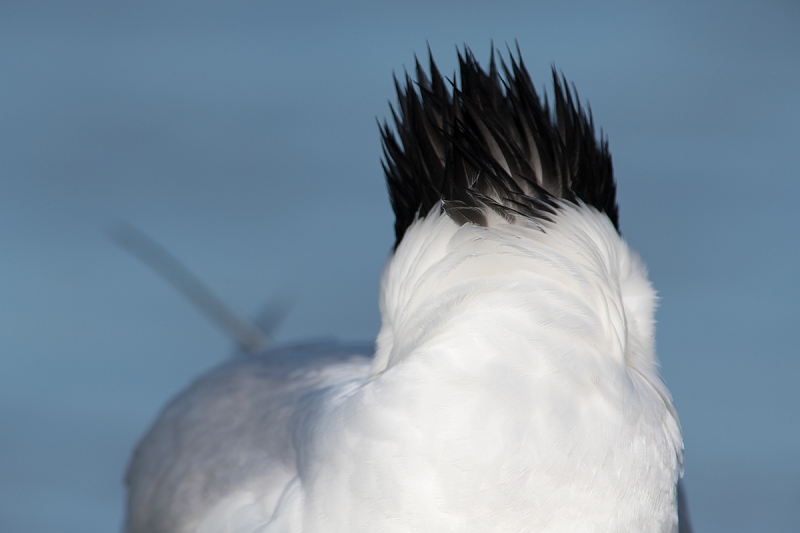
567	278
515	367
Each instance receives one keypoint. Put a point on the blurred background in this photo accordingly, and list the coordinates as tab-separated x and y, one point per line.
242	136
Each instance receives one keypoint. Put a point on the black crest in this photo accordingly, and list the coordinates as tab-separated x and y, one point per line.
492	143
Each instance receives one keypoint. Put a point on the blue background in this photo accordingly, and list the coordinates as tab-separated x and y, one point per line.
242	136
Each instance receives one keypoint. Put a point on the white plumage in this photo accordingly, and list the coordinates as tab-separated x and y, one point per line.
514	387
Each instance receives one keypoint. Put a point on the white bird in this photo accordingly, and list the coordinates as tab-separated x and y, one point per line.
514	384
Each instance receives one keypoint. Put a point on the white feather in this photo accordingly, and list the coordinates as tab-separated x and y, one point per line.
514	388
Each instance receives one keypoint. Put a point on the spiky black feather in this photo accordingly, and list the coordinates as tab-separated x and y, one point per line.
492	143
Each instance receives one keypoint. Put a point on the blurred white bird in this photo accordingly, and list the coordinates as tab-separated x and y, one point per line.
514	382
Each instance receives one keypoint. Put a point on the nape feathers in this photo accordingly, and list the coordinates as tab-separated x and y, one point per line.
492	142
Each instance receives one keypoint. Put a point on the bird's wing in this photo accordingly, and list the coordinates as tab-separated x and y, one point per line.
220	454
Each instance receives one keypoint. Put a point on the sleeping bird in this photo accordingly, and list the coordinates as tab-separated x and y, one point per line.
513	385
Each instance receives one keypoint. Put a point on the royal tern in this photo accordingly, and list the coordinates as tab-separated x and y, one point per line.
513	386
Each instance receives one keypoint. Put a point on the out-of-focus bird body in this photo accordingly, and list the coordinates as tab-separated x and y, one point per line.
514	385
222	452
